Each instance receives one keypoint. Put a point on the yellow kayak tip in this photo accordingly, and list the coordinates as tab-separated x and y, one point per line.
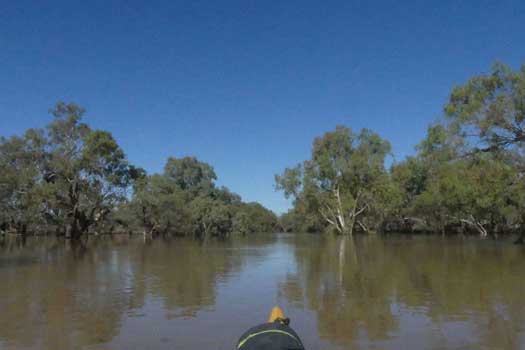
276	314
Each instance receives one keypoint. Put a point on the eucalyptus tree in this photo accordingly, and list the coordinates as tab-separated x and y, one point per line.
158	206
66	178
472	194
21	204
446	186
184	200
210	217
259	219
241	223
485	118
190	174
87	172
343	180
488	112
411	177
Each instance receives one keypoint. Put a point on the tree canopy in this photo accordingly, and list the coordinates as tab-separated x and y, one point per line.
344	181
69	179
467	174
488	112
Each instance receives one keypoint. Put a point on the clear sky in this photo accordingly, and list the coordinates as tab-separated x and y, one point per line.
247	85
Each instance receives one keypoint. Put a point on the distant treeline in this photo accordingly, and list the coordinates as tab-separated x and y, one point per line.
70	180
468	174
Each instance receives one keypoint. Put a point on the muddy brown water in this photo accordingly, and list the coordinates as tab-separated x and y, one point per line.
394	292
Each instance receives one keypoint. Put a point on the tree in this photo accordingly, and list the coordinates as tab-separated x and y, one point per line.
471	193
86	173
20	194
224	195
259	219
488	112
184	200
191	175
158	205
343	179
411	176
210	217
488	115
241	223
71	179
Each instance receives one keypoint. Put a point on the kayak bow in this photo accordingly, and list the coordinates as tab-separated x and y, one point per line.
275	334
276	314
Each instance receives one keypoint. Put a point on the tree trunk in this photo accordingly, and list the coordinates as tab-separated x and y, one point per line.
341	259
334	213
363	226
73	230
477	225
521	239
349	231
340	217
353	214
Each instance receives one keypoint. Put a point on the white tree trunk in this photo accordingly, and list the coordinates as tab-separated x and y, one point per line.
477	225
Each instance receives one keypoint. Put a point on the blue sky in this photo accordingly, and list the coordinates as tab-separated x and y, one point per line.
247	85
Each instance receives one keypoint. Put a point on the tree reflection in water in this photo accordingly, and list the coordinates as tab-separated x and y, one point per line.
59	294
369	290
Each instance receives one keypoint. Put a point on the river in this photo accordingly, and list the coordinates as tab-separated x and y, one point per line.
394	292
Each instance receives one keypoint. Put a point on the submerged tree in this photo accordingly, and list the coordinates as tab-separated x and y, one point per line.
184	201
68	177
343	179
86	174
210	217
488	115
158	205
20	176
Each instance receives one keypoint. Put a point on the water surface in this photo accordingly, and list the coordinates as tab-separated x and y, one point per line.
393	292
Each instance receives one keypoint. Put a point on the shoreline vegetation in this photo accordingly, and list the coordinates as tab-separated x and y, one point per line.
467	177
70	180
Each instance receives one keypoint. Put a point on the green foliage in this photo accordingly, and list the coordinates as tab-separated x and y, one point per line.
250	218
241	223
64	179
302	219
70	179
447	188
20	204
165	204
224	195
344	182
468	173
87	172
259	218
488	112
191	175
471	193
158	206
473	164
411	178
